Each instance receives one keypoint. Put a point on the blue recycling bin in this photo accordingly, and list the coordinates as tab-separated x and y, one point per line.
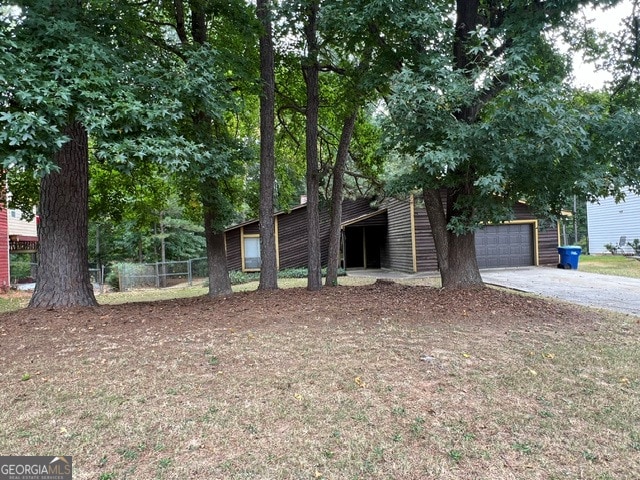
569	256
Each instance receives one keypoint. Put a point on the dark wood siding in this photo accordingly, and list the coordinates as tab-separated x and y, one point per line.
252	228
292	238
292	234
548	244
396	252
234	261
425	246
399	254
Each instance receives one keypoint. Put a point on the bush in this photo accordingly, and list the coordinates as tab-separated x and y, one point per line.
635	245
113	278
20	270
238	278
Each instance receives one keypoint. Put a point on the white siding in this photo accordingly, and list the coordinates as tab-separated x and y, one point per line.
18	226
607	221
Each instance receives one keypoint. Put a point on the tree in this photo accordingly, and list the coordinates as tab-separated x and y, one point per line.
337	47
68	66
43	132
481	119
208	42
269	263
63	205
311	71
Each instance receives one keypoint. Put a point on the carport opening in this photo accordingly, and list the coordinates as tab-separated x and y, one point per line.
364	246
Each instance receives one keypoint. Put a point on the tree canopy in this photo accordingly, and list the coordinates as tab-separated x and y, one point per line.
471	98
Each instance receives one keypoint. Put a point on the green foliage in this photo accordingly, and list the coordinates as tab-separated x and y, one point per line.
504	127
635	245
20	265
238	278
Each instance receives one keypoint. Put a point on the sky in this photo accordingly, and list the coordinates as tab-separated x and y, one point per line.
608	20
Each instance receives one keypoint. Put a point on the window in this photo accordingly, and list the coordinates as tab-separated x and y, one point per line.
252	252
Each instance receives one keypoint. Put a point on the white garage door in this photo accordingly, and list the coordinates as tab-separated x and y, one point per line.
505	246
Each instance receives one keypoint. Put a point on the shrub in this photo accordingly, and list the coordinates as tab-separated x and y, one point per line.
635	245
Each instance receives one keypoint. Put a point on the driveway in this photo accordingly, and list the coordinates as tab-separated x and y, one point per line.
591	289
621	294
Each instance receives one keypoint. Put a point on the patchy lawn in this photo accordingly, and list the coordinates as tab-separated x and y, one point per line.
610	265
372	381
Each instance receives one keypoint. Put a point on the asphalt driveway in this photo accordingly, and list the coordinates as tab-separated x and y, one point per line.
591	289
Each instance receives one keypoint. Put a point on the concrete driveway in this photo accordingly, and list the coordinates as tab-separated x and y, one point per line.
591	289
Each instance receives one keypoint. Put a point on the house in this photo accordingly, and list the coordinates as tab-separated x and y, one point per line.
17	235
395	235
607	221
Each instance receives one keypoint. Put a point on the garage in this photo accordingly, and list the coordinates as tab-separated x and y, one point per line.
509	245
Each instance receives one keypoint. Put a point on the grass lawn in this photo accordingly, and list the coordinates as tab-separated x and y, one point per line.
610	265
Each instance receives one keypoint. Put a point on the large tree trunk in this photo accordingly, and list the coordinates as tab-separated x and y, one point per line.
337	196
219	282
63	261
456	253
268	254
311	78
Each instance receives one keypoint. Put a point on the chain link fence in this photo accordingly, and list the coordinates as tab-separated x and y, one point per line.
127	276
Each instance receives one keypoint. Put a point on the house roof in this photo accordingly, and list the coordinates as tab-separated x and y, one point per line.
363	217
256	220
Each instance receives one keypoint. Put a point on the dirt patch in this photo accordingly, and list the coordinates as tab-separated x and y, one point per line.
250	310
376	381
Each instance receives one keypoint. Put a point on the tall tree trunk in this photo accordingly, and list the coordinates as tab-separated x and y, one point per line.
463	269
456	253
63	262
219	282
163	253
337	195
311	78
268	254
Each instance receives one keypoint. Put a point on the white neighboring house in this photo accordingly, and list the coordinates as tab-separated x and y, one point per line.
607	221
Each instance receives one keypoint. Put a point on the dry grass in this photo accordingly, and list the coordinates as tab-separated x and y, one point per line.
610	265
312	393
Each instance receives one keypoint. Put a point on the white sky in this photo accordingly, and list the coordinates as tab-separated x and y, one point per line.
608	20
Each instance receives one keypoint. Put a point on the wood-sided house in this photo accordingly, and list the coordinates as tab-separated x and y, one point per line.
394	235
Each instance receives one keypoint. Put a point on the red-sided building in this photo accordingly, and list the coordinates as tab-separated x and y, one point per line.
4	249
